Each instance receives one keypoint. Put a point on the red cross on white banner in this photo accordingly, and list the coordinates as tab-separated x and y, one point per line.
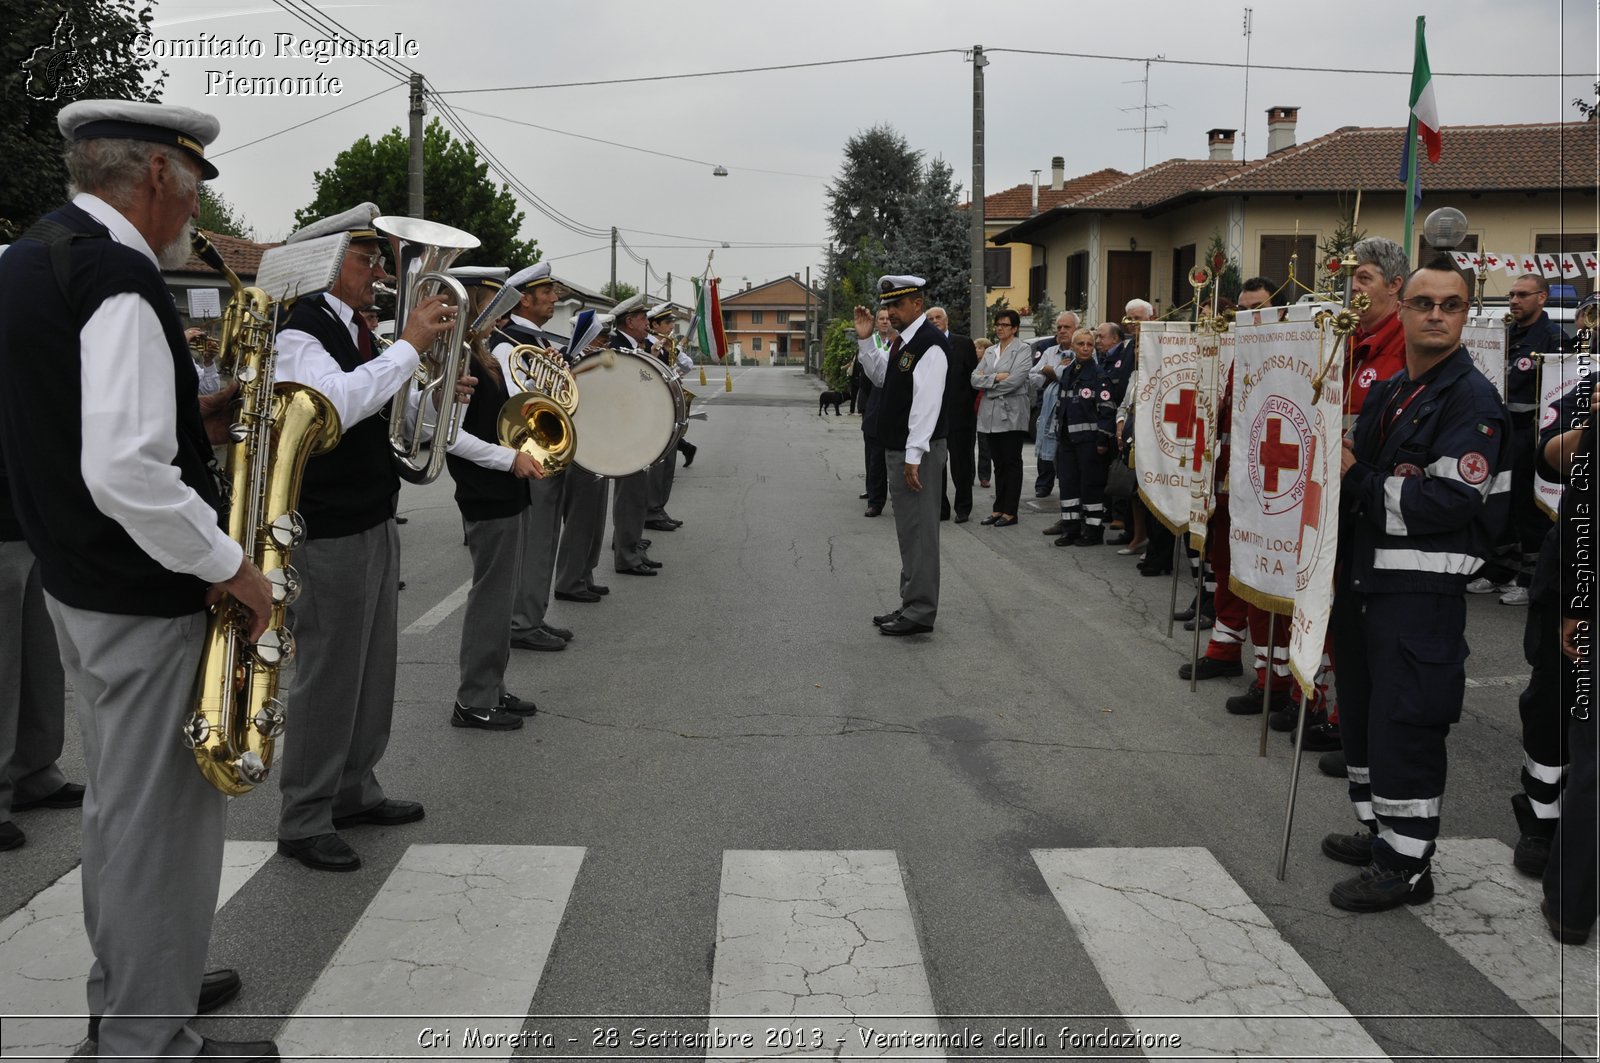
1276	455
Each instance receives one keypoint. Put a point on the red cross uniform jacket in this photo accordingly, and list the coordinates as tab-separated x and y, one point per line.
1430	485
1374	356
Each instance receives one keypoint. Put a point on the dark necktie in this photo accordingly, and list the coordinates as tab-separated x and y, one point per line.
364	338
894	348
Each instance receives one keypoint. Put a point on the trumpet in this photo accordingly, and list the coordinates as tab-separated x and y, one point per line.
424	251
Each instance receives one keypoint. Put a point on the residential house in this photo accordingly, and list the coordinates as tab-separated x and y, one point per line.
240	255
767	323
1015	272
1523	188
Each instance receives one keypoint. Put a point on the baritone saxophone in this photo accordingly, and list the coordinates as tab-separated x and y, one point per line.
238	716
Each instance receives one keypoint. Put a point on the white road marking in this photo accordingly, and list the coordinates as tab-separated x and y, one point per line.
1489	913
1171	933
802	934
456	931
46	958
436	616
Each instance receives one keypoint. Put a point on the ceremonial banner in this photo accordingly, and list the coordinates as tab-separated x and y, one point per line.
1209	383
1486	339
1274	434
1164	419
1319	530
1558	374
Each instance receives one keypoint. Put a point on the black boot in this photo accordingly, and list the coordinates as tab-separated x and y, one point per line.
1093	535
1533	848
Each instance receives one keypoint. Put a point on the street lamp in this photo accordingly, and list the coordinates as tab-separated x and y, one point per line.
719	171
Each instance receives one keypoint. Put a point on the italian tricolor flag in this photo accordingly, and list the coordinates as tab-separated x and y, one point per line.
709	334
1424	112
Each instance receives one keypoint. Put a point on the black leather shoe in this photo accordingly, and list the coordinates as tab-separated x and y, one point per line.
901	626
637	570
990	519
1120	539
1057	528
1320	738
1333	765
1532	852
647	563
1071	536
1208	668
68	795
944	516
577	596
386	813
1043	494
239	1051
321	852
216	989
595	588
661	525
11	836
559	632
514	705
1377	889
689	451
873	511
1206	622
886	618
1005	522
961	518
1567	935
1092	536
1354	849
862	496
538	639
483	719
1250	703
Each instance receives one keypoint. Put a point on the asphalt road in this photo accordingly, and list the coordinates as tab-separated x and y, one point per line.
741	702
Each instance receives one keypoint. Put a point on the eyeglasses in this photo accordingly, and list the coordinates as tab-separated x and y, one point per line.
1423	305
1004	324
1525	295
373	261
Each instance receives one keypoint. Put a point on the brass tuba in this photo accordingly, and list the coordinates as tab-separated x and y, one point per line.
538	421
238	716
424	250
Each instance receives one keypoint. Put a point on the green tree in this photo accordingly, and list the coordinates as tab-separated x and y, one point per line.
1000	303
459	192
1044	317
1590	108
217	215
838	347
1345	235
618	290
931	242
866	204
52	53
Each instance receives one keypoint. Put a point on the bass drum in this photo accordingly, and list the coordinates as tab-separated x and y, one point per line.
628	413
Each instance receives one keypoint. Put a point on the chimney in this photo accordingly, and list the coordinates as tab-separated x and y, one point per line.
1058	173
1280	128
1221	141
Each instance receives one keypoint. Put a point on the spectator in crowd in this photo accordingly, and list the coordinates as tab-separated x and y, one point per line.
1043	381
985	459
1084	419
1002	376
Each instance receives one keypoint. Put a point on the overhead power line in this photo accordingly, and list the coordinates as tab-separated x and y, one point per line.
1295	69
308	121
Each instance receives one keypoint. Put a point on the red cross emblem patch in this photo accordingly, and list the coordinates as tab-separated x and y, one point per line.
1524	363
1365	378
1473	467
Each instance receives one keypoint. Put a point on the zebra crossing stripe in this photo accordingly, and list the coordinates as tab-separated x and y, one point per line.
457	931
1171	933
818	937
1488	912
46	957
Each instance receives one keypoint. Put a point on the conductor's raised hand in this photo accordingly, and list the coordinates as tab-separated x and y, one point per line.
865	320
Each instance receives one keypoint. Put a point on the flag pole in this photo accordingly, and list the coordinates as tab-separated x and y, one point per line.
1411	137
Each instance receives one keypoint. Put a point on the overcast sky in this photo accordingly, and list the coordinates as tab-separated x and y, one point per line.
798	120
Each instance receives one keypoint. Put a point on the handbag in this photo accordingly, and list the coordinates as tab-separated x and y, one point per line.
1120	481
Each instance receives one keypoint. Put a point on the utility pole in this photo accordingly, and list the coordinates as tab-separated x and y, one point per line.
613	261
414	173
669	286
1244	125
978	324
644	289
809	367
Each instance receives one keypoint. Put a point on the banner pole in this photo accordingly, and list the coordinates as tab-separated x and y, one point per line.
1172	607
1199	592
1266	685
1294	785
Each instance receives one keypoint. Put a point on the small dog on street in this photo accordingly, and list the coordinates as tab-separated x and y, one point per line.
831	398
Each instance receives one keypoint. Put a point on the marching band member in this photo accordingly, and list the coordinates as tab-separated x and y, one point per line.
108	462
542	518
911	427
341	704
663	472
583	530
632	492
1424	487
494	505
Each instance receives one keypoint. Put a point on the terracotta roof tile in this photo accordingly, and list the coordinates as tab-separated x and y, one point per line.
242	256
1017	201
1155	185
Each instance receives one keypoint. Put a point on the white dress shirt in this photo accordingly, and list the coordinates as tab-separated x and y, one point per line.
927	386
361	392
130	428
1053	357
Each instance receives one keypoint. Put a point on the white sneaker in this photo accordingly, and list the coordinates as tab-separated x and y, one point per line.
1515	596
1484	585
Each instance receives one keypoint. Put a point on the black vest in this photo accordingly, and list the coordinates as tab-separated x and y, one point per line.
86	559
354	486
485	494
894	408
10	527
520	335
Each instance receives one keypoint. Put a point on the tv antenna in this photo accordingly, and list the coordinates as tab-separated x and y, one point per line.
1144	109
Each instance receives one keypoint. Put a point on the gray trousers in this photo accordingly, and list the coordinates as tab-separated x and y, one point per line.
661	476
152	826
342	699
541	530
916	522
583	530
499	556
627	520
33	708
